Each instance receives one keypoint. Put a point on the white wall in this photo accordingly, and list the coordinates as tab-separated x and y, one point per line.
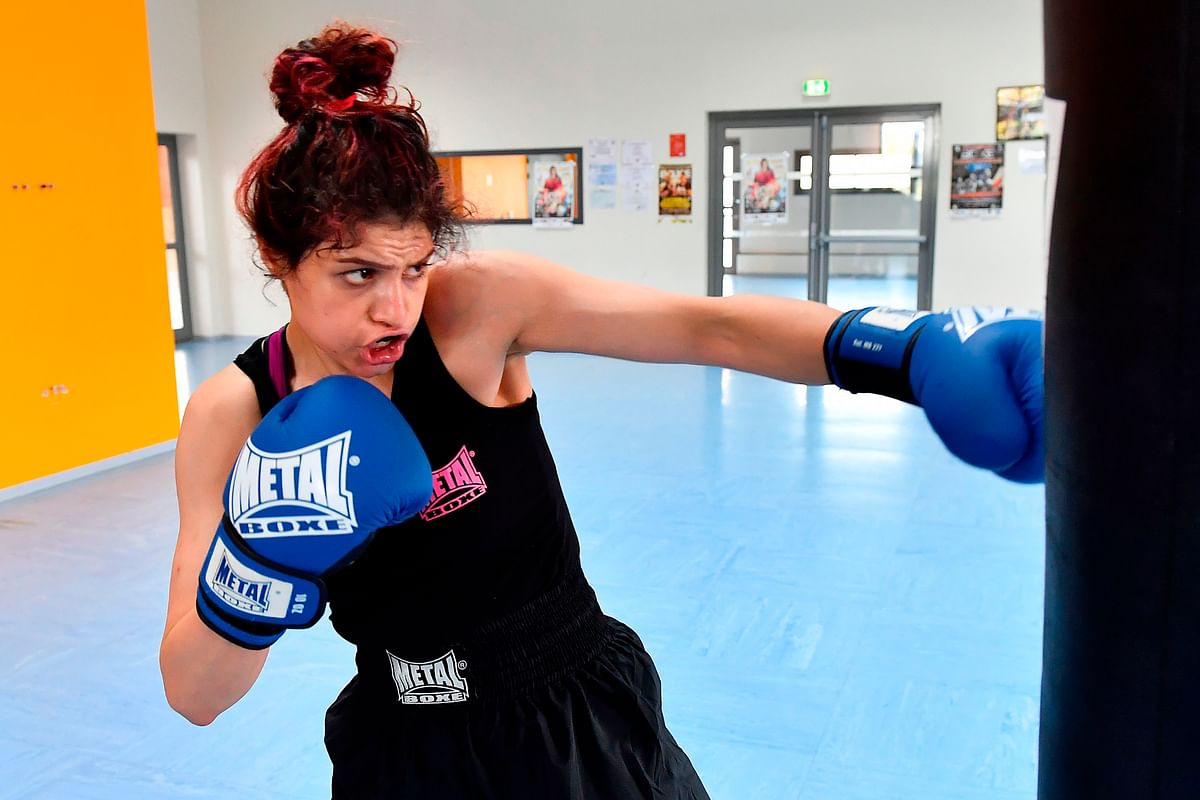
523	74
180	103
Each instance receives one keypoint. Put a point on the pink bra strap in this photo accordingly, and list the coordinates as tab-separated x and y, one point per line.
275	363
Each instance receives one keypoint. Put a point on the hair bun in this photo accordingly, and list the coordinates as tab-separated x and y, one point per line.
339	63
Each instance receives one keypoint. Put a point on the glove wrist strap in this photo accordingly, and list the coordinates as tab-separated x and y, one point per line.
870	349
249	600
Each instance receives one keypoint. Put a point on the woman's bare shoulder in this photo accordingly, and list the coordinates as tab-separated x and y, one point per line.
465	269
474	284
219	416
228	395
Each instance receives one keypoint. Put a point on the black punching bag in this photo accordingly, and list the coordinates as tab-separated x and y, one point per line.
1121	672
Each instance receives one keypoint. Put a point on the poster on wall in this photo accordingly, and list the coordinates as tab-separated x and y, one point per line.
552	185
674	190
977	180
1020	113
765	188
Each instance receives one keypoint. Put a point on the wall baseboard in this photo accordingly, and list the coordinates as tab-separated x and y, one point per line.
66	476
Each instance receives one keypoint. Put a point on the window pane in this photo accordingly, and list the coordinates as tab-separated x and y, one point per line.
173	289
164	186
494	185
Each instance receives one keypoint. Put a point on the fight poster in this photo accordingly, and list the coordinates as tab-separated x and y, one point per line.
765	188
674	190
552	186
1020	113
977	180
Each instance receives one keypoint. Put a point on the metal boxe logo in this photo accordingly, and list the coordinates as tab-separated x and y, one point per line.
428	683
238	590
455	485
292	493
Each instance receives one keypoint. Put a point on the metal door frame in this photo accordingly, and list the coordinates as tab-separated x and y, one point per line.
821	121
168	140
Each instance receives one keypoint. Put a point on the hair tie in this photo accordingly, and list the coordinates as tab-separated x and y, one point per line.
337	106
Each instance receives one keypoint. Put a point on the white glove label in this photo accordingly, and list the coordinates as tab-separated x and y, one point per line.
245	588
893	319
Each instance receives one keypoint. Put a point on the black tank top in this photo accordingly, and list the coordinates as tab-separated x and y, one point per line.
495	535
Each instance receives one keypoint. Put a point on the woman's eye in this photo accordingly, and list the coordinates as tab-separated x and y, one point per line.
359	276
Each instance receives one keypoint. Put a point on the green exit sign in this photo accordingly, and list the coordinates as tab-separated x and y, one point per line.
816	87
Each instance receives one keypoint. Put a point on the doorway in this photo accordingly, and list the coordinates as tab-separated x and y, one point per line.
836	205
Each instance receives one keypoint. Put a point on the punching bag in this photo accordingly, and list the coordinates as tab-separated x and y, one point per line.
1121	669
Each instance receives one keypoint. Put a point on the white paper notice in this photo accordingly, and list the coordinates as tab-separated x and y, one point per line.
602	150
637	153
1032	158
602	173
602	197
639	191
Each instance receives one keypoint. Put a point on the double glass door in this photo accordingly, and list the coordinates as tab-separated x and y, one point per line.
835	206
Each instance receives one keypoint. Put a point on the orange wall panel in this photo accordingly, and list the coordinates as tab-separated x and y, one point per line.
83	290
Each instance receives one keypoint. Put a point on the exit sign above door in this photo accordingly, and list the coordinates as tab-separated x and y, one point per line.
816	87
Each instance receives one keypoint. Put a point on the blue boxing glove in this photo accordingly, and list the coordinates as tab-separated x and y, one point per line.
326	468
977	372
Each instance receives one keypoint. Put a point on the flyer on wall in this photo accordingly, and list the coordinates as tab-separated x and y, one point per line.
765	188
1020	113
552	184
977	180
602	163
674	190
638	189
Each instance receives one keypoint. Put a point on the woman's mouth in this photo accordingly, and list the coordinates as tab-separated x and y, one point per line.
386	350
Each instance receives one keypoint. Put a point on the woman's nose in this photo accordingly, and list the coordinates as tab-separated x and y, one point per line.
390	303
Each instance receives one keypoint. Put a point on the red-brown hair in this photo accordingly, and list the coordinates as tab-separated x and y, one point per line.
350	153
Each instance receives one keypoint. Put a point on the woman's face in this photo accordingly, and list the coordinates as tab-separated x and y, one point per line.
358	306
553	172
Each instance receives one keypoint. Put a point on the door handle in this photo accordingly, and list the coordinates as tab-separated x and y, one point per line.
825	239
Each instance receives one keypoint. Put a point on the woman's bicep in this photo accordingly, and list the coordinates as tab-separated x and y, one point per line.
525	304
565	311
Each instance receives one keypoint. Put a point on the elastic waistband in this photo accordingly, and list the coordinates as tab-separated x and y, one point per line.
541	642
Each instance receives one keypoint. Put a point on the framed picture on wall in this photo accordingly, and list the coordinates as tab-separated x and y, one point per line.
1020	113
538	187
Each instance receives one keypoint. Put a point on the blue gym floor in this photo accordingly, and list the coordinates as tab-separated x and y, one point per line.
839	610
